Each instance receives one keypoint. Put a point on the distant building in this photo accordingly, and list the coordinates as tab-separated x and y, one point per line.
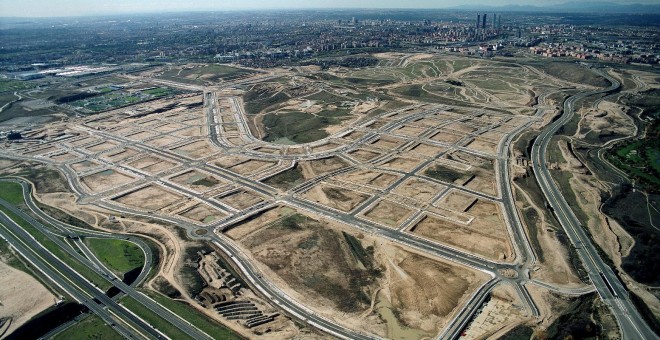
478	20
483	25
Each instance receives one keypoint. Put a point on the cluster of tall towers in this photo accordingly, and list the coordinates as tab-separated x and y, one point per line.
482	21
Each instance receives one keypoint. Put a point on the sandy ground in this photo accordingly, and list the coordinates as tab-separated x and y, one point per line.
388	213
21	296
152	197
420	189
414	298
105	180
500	314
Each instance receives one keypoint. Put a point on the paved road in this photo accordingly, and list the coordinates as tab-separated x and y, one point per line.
71	282
148	303
607	284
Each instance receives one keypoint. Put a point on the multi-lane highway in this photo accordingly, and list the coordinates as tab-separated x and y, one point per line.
606	282
95	265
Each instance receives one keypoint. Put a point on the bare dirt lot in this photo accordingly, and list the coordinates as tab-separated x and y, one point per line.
364	155
105	180
428	150
202	213
370	178
241	199
196	150
101	147
21	296
420	189
243	165
486	235
388	213
406	164
335	197
152	197
152	164
364	284
119	155
84	165
197	180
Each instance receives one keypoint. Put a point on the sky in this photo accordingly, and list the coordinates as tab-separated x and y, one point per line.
48	8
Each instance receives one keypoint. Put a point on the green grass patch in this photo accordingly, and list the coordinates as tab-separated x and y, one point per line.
640	159
152	318
445	174
257	101
287	179
119	255
11	85
573	72
11	192
58	252
299	127
92	327
199	320
206	181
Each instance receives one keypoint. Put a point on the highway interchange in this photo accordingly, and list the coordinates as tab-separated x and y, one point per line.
605	281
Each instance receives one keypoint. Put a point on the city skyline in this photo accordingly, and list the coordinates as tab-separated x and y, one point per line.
41	8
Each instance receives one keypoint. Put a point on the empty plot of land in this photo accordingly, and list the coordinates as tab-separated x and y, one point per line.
121	154
197	180
84	165
242	199
419	189
169	127
243	165
101	147
483	145
428	122
388	213
325	147
196	150
336	197
203	213
163	141
318	167
403	164
152	164
428	150
447	137
40	151
485	235
152	197
256	222
364	155
105	180
63	157
355	135
408	130
388	143
194	131
460	127
142	135
367	177
84	140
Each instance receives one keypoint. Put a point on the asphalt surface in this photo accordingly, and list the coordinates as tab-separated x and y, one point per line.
73	283
606	282
96	266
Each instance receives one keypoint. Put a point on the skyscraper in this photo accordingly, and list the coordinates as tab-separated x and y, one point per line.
478	20
494	21
483	25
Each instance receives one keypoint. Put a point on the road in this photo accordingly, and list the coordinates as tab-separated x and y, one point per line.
148	303
73	283
606	282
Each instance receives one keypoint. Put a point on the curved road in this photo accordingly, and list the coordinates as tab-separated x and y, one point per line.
606	282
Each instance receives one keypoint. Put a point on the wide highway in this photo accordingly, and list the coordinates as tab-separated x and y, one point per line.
606	282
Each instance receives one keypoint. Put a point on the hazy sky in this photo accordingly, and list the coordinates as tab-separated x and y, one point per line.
41	8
